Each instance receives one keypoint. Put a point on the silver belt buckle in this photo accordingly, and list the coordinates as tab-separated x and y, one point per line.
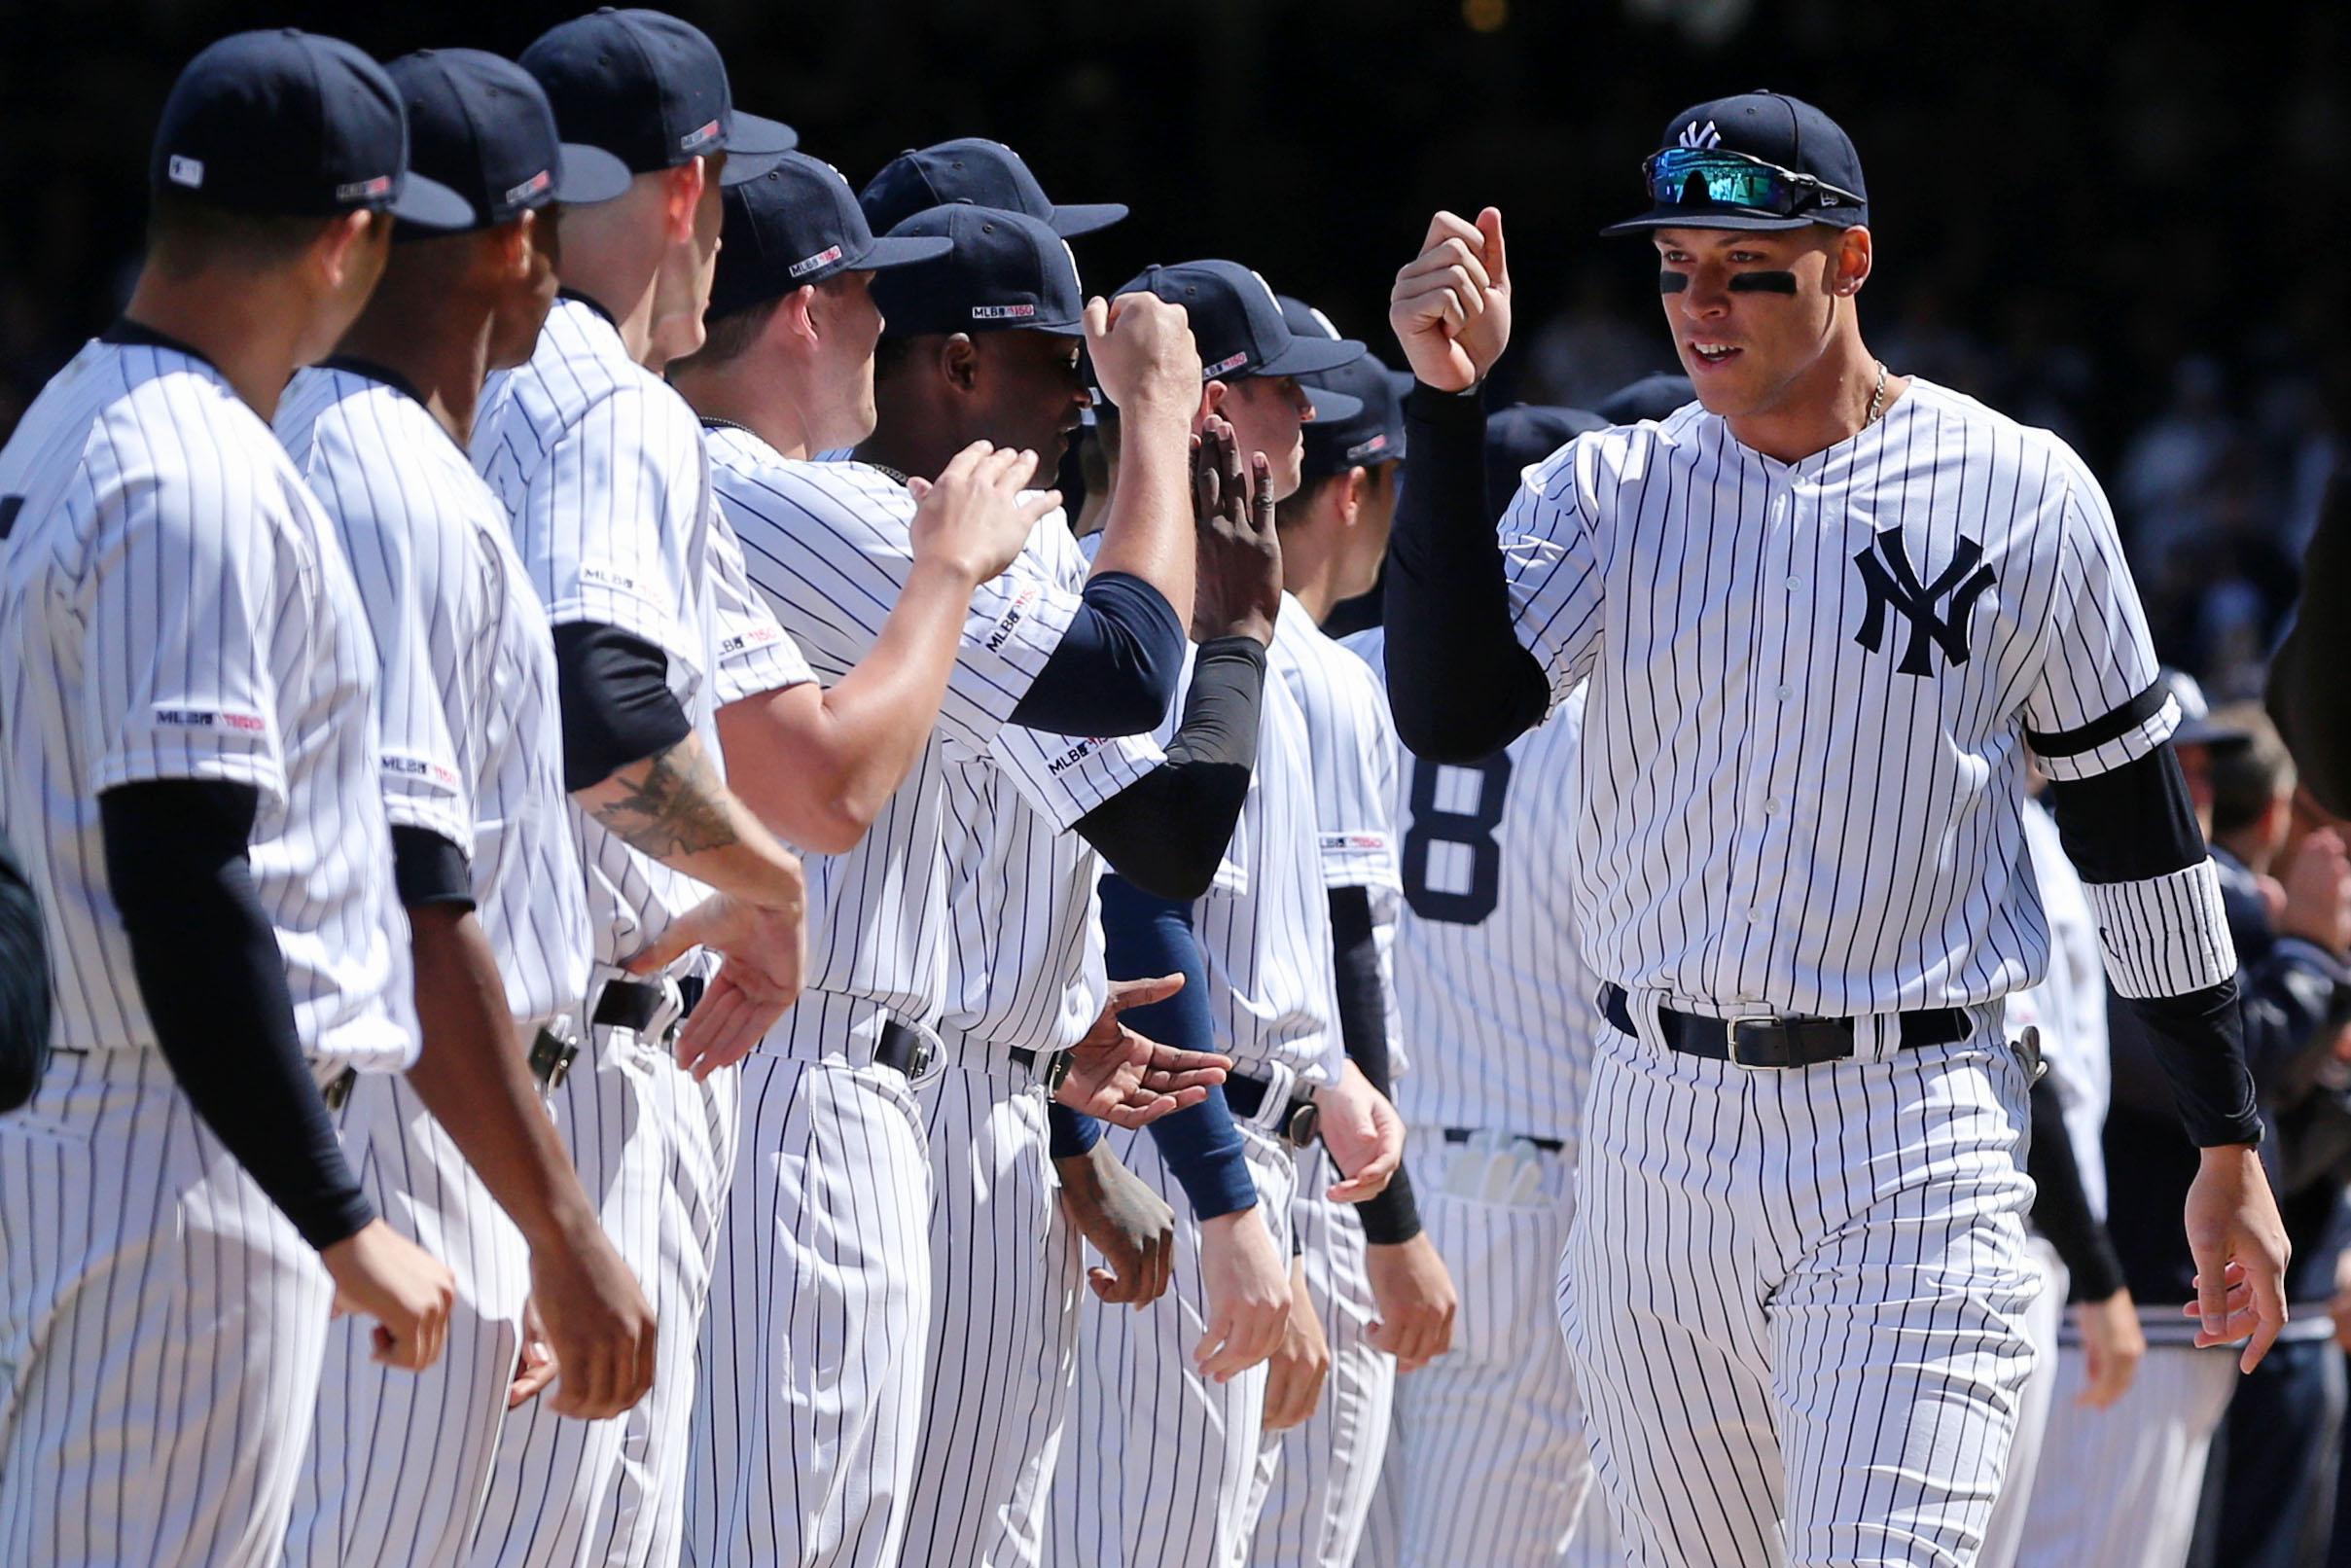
1730	1040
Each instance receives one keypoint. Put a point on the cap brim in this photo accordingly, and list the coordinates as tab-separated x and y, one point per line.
1307	355
1332	407
1716	218
431	205
1085	218
756	134
590	175
901	251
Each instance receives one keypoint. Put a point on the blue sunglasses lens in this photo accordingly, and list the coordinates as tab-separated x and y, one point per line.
1684	175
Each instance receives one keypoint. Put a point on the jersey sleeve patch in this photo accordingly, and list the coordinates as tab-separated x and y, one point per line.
1359	857
1066	776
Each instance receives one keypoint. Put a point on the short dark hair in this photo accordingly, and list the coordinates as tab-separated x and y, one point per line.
729	336
1292	509
186	235
2250	776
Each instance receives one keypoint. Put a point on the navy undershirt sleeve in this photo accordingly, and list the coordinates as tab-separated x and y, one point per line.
1460	683
1070	1133
214	980
1168	832
1143	937
1393	1218
617	708
1115	669
2061	1208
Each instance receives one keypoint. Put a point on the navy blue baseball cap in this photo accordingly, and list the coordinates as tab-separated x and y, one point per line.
287	123
1239	323
1523	435
652	90
1757	160
1003	272
1357	410
983	173
479	124
800	222
1652	397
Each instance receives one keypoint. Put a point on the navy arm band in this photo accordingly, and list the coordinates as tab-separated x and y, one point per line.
617	708
1393	1218
1070	1133
1168	832
1447	602
1115	669
427	868
214	980
1145	936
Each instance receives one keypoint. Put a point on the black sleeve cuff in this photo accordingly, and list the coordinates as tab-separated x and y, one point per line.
1393	1218
2199	1040
617	708
427	868
1168	832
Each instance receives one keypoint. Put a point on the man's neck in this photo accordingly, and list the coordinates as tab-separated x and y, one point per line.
761	402
1829	403
907	445
622	294
243	324
442	355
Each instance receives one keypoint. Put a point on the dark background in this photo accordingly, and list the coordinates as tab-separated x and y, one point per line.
2101	217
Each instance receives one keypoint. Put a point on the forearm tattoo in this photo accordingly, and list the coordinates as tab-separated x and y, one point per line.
676	805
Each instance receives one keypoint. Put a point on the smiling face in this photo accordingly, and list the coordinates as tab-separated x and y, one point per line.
1747	347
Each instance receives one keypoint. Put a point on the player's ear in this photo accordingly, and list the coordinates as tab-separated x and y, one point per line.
680	194
341	246
1849	261
959	361
1353	493
513	246
796	316
1212	399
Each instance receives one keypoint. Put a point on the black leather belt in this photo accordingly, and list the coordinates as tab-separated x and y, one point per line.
626	1004
1767	1042
904	1050
1300	1117
1550	1146
1056	1066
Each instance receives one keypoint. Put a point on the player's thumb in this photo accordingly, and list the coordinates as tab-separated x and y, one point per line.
1496	258
1124	994
683	936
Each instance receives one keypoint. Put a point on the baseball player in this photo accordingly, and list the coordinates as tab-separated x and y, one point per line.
1823	614
1162	1465
189	773
1489	1460
462	1154
602	469
1025	984
1373	1276
824	1293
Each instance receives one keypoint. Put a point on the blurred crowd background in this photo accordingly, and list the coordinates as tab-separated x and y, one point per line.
2102	217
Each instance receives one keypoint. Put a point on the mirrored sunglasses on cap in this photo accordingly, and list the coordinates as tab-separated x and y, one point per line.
1679	176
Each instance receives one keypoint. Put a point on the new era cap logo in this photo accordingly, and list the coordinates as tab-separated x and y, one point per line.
186	172
531	187
823	258
1234	363
1695	136
699	139
1003	312
375	190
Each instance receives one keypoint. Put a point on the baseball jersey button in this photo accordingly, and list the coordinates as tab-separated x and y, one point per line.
1795	582
1785	691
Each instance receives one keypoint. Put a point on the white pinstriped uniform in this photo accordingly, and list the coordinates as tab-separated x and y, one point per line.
805	1441
1319	1475
1489	1461
472	748
601	468
2069	1010
173	606
1159	1466
1748	844
1024	969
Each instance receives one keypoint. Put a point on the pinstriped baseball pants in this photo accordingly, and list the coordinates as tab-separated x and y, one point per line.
1796	1301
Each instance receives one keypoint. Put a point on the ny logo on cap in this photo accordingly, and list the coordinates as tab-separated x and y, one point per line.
1693	135
1887	578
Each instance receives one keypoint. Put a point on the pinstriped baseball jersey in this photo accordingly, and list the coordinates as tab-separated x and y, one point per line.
600	467
1811	691
1025	952
176	606
1264	933
1503	1003
2069	1004
472	735
828	544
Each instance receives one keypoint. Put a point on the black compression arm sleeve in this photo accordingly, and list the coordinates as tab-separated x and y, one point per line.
2061	1208
617	708
214	982
1168	832
1115	669
2132	823
1448	603
1393	1217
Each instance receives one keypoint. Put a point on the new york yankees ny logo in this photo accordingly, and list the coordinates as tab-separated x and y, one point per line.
1886	572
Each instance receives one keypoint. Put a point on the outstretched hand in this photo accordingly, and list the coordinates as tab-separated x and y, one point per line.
1451	307
1117	1076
